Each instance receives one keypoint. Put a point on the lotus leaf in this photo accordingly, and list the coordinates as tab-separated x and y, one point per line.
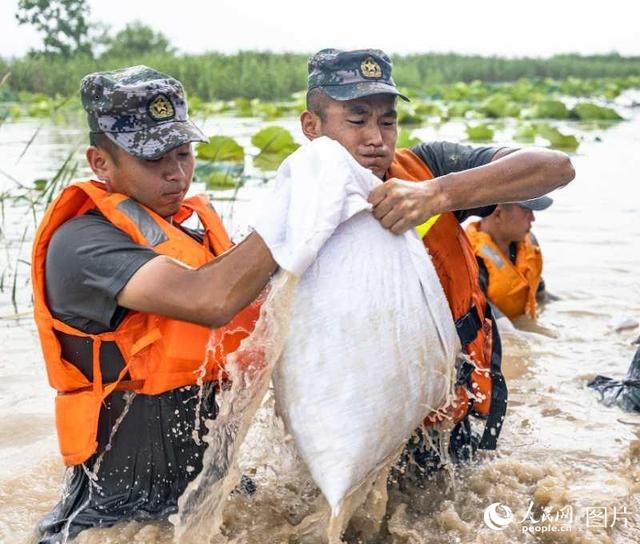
479	133
588	111
557	139
499	105
220	148
405	139
525	133
275	144
548	109
221	180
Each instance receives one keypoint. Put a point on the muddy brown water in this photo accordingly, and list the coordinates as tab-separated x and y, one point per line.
567	469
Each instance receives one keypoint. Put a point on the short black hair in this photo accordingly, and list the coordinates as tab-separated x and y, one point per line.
317	102
101	141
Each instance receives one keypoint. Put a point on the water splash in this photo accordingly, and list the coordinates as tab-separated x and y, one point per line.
200	508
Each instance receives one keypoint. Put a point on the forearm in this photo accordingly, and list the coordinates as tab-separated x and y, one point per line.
235	279
210	295
520	175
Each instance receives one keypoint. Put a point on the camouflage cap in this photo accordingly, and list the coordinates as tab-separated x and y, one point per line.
141	110
536	204
345	75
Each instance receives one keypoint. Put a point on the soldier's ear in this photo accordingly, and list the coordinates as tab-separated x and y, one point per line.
100	162
311	125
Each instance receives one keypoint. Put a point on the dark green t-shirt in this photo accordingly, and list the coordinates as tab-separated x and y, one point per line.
447	157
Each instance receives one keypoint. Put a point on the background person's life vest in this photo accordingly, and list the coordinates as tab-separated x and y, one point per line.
480	387
511	286
159	353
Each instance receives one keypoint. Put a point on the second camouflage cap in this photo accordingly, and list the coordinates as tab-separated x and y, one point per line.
141	110
346	75
536	204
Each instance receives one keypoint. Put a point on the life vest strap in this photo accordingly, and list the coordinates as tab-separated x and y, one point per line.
468	326
123	385
499	392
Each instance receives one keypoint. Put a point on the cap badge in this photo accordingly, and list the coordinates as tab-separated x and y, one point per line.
370	68
160	108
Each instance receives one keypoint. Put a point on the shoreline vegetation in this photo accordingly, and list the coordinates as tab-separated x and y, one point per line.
276	76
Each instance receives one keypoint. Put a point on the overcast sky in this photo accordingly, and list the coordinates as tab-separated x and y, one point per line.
490	27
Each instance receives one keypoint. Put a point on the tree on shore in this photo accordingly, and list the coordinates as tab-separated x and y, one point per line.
64	24
137	39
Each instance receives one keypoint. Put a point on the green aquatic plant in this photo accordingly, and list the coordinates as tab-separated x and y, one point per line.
220	163
557	139
526	133
428	108
547	109
479	133
220	148
242	107
223	179
498	106
587	111
275	144
406	139
458	109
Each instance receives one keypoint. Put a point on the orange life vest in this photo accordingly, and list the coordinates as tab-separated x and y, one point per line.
480	387
159	353
511	286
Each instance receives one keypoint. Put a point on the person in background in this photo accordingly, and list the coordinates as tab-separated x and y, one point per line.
509	257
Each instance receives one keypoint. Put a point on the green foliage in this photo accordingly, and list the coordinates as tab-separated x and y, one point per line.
428	109
64	24
479	133
547	109
219	174
137	39
220	148
220	163
558	140
459	109
271	76
222	180
40	184
587	111
498	106
525	132
407	115
275	144
406	139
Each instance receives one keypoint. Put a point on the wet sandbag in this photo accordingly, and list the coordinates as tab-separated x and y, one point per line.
372	345
623	393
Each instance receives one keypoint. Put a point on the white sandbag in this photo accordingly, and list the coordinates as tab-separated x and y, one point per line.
372	345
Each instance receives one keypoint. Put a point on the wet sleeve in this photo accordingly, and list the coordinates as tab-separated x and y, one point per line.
89	261
447	157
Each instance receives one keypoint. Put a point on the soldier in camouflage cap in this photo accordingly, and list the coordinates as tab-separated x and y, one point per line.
351	99
139	109
117	261
345	75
